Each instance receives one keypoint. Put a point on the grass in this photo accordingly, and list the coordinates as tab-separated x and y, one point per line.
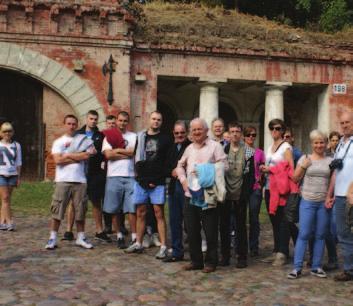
195	25
35	199
32	198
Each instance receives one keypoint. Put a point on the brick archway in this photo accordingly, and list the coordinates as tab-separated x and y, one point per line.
55	75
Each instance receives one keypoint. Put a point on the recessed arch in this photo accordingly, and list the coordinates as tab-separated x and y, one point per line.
53	74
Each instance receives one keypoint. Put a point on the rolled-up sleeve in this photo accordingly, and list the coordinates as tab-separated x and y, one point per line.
220	156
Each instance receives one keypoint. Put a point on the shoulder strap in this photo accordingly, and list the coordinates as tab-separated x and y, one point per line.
279	146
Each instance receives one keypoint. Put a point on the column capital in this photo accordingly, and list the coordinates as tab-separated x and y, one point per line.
277	85
204	81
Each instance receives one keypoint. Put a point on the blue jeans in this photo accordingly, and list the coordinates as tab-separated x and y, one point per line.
312	215
176	204
345	236
254	211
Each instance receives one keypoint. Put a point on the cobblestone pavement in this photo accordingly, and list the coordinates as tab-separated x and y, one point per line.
30	275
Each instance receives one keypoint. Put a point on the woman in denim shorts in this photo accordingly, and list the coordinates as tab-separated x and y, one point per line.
10	167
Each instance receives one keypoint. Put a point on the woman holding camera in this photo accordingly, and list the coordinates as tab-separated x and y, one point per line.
315	171
10	168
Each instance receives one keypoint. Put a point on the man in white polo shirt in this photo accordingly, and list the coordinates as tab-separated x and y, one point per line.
341	179
70	183
119	187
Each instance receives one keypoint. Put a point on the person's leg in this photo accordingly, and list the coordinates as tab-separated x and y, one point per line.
209	219
176	203
70	218
274	219
224	230
254	224
161	224
306	221
5	193
97	216
240	224
129	206
293	230
284	232
193	225
345	236
141	210
61	198
331	240
321	227
107	223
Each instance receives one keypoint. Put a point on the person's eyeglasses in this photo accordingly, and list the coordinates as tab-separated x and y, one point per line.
251	135
179	133
276	128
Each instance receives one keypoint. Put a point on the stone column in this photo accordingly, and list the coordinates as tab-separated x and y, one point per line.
208	102
323	112
274	107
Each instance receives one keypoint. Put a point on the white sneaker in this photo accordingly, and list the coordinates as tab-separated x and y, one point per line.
51	244
147	241
204	246
155	240
162	253
3	227
84	243
11	227
319	273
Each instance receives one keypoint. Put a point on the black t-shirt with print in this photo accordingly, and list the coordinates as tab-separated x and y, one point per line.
151	170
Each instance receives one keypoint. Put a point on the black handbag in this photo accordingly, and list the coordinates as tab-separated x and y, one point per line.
291	210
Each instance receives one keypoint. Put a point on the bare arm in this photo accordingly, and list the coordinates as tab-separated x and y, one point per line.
70	158
127	152
330	194
299	172
288	156
114	155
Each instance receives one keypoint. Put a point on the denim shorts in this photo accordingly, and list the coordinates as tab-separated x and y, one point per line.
8	180
118	195
155	196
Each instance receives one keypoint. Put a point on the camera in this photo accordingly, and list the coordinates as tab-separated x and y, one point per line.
336	164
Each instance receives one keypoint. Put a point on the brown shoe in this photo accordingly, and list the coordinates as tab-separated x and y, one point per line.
343	277
191	267
209	269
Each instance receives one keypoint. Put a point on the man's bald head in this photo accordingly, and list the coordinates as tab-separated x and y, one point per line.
346	123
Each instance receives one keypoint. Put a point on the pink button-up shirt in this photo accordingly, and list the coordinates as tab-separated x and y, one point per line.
209	152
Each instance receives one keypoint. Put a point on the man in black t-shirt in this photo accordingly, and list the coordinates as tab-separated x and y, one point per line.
151	155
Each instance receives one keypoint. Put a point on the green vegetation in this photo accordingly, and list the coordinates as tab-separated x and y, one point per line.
322	15
32	198
35	198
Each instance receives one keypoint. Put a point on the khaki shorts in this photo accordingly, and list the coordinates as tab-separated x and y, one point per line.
63	193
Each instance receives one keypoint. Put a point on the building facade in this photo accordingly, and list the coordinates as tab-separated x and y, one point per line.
51	59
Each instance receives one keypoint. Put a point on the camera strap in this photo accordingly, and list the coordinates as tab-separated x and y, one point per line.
345	153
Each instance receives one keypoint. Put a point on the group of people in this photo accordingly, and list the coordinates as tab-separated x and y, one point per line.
216	180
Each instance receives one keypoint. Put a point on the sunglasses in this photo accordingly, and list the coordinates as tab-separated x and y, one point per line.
276	128
179	133
251	135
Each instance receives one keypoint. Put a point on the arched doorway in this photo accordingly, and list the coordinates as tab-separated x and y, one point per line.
21	104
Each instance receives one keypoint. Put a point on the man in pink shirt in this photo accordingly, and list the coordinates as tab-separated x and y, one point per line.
202	151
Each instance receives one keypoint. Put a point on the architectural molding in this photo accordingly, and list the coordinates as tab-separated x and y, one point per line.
53	74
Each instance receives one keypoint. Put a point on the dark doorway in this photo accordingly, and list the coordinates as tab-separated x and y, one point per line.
227	113
169	117
21	104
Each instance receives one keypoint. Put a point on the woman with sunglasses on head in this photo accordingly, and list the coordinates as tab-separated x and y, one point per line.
10	168
256	195
279	151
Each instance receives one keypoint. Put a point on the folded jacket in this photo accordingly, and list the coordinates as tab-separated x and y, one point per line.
205	174
79	143
114	138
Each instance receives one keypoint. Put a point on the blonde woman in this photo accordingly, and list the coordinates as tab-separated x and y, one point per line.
10	168
315	171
